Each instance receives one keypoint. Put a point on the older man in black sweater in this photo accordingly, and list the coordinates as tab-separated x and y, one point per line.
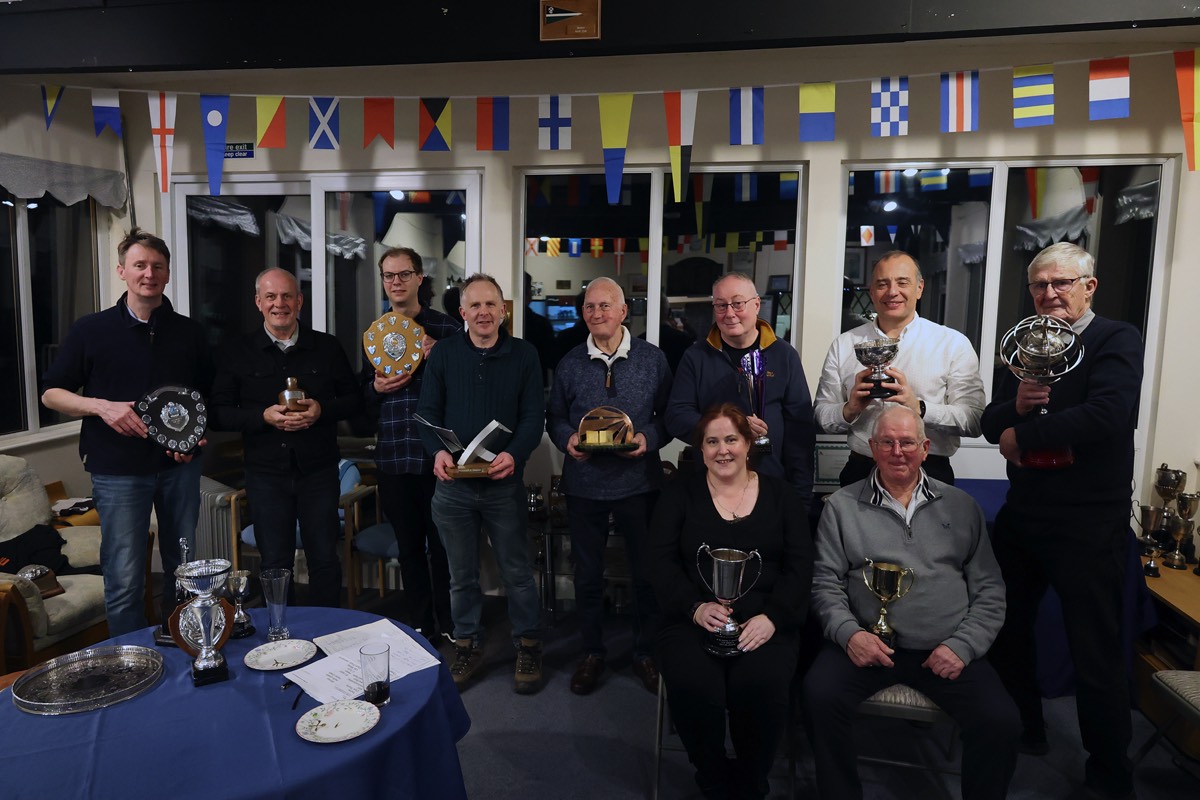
1068	527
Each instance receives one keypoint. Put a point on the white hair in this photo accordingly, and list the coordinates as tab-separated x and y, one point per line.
1067	255
601	282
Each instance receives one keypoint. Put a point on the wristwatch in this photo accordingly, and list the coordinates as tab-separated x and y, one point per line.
922	404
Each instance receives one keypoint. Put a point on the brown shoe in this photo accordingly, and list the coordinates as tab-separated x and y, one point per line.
587	674
648	673
468	655
528	676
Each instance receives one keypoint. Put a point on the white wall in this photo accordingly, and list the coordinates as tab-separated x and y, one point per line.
1153	131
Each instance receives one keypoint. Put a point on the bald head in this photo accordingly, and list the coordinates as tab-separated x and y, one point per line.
277	296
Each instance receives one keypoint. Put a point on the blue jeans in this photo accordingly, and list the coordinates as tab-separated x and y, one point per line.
124	502
463	511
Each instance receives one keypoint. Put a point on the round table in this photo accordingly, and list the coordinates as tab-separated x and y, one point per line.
237	738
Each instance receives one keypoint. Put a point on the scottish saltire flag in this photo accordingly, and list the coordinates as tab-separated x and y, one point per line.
746	115
1033	96
214	118
597	247
1108	88
554	122
887	181
531	246
553	246
681	123
817	103
889	106
745	187
575	247
1187	81
980	177
615	110
960	102
934	180
272	121
789	185
379	120
106	110
323	123
433	125
491	123
51	97
162	134
892	232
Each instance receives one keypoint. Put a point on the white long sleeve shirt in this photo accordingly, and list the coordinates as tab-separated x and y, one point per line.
941	367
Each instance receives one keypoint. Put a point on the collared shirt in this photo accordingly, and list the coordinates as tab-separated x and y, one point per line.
609	359
1080	325
921	495
283	344
941	368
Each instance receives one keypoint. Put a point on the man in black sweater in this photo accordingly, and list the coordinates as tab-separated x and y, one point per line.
291	456
1068	527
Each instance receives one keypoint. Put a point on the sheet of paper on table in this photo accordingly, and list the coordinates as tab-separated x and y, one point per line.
339	675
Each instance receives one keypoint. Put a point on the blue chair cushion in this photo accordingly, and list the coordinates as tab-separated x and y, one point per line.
378	540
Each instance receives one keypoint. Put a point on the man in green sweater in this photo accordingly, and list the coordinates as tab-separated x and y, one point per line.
472	378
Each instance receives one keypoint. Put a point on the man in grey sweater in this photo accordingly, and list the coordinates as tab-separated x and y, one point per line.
943	626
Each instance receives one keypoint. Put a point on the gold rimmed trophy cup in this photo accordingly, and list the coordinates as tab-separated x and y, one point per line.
886	581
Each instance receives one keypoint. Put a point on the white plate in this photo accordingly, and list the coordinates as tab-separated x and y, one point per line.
283	654
337	721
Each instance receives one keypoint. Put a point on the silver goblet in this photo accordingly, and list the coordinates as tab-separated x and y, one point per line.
239	589
202	622
877	354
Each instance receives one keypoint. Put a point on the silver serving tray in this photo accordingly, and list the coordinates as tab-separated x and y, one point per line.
87	680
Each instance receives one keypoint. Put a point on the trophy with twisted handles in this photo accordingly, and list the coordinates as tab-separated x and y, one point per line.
728	574
202	627
877	354
886	581
755	371
1041	350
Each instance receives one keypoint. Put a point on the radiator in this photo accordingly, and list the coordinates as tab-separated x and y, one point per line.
212	528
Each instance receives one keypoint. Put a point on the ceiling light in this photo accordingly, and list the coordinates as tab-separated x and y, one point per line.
908	173
890	205
396	194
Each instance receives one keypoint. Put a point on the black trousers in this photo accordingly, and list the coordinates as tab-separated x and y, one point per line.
1084	560
588	520
278	501
860	466
752	687
976	700
406	502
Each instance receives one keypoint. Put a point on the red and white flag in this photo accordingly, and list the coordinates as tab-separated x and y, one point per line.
618	253
162	131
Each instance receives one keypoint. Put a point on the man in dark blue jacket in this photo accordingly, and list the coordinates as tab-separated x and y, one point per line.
291	456
1069	527
112	358
472	378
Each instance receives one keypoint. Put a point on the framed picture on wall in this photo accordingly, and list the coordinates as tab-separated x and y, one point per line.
856	265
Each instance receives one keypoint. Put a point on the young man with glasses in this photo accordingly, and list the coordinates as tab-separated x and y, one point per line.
1069	528
711	372
406	481
935	373
943	626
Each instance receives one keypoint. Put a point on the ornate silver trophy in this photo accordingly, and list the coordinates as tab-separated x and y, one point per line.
239	589
754	370
176	417
886	581
877	354
204	625
1041	350
728	573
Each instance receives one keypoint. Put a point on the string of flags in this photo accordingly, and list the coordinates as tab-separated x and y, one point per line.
1033	100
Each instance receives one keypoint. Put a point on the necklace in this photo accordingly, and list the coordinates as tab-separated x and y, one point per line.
731	511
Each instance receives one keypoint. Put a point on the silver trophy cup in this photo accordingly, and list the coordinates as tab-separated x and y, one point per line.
239	590
204	620
728	574
877	354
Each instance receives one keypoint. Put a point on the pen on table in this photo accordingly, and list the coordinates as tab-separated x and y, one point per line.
296	702
285	685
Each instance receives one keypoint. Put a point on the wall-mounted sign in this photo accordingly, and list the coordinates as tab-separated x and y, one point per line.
239	149
569	19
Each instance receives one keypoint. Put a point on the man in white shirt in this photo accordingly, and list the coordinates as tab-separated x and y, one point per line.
935	373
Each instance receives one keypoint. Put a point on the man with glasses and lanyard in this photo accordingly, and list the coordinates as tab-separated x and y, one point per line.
1069	527
406	481
935	373
712	372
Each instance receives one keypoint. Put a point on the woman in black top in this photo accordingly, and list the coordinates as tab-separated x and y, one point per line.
730	506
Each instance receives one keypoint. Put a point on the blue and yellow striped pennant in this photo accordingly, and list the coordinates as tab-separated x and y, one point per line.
1033	96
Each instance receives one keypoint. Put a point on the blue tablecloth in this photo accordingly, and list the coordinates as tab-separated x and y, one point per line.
237	738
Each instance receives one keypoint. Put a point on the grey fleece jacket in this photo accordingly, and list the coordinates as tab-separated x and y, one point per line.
958	596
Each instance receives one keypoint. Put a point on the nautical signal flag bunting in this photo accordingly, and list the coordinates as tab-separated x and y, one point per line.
433	129
1186	64
615	110
1033	96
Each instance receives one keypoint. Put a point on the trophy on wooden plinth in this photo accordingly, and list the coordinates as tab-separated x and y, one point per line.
202	627
475	459
606	430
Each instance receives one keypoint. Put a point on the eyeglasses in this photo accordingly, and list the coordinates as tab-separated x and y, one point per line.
736	305
1059	285
887	445
403	277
